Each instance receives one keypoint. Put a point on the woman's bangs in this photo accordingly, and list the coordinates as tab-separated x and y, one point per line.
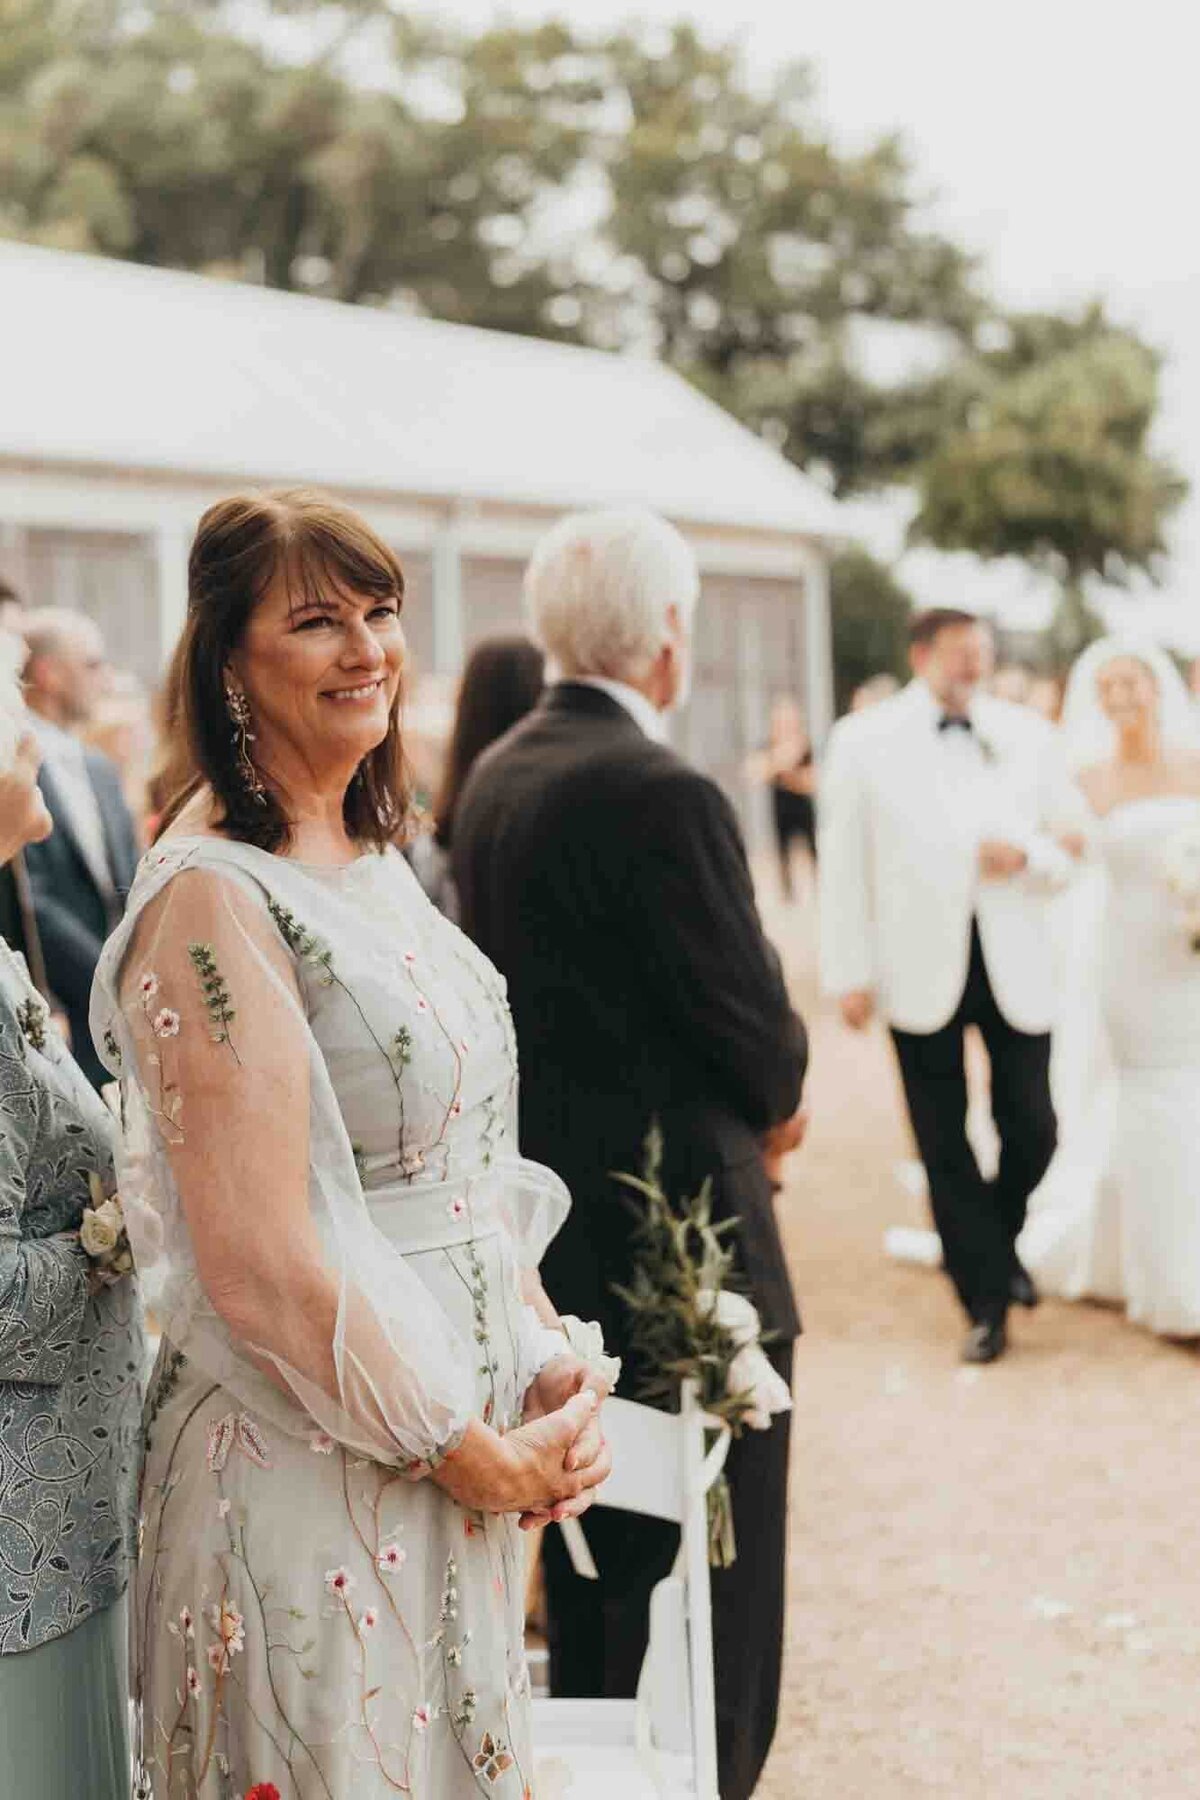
329	563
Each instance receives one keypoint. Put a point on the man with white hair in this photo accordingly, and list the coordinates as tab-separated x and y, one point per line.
607	879
81	874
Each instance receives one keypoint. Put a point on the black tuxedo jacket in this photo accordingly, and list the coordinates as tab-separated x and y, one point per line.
73	916
607	880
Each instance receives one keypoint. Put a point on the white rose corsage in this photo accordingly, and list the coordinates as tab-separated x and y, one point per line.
585	1339
750	1374
103	1234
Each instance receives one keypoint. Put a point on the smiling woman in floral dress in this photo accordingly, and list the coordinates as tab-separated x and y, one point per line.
361	1390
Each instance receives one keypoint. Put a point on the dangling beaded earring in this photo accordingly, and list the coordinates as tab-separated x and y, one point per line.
239	712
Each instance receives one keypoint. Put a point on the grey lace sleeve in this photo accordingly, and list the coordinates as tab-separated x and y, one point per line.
43	1281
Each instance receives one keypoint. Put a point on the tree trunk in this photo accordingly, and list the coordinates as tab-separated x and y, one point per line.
1075	624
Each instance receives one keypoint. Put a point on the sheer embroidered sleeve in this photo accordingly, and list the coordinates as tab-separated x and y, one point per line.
243	1185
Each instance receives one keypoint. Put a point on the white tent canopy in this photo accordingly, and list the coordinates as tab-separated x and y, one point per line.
112	363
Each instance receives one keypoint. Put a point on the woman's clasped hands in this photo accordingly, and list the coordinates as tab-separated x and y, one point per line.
550	1466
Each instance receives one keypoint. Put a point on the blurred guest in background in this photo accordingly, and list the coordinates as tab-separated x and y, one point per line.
607	879
502	681
12	608
122	727
870	693
430	702
788	767
1046	697
82	873
18	925
1012	682
71	1355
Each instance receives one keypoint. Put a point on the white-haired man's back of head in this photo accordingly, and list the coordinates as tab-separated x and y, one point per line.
606	592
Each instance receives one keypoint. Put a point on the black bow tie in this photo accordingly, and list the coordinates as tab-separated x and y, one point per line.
954	722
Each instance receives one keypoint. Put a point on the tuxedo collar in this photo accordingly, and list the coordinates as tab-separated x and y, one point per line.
580	700
927	706
642	711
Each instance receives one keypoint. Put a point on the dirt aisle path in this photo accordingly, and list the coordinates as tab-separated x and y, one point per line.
994	1575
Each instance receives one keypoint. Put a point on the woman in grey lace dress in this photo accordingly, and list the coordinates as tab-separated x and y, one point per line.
71	1357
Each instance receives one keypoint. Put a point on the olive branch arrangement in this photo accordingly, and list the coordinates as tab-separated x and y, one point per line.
681	1263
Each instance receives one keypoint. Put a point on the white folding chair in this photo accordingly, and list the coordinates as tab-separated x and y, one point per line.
663	1745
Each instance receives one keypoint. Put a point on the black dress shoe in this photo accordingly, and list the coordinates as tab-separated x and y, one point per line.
1022	1289
986	1342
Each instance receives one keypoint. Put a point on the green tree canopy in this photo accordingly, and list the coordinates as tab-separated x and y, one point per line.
870	612
160	133
627	188
1046	456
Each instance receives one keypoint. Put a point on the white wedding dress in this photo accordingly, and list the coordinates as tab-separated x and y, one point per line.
1119	1217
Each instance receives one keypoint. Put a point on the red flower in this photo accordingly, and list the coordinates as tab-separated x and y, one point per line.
263	1790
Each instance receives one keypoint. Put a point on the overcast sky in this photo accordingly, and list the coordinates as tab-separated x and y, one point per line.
1059	138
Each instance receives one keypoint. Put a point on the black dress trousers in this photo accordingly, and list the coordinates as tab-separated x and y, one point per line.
979	1221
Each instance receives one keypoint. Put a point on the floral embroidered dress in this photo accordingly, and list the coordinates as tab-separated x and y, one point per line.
311	1610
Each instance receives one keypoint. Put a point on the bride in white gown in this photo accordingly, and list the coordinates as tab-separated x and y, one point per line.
1119	1216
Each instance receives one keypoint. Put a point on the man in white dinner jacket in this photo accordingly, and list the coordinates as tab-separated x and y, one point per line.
948	823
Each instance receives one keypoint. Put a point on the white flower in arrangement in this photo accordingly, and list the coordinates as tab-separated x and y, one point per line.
321	1443
369	1620
166	1023
148	985
193	1682
339	1582
422	1717
101	1229
749	1373
391	1558
102	1233
585	1339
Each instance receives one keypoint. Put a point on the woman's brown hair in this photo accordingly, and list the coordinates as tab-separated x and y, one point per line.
242	545
502	681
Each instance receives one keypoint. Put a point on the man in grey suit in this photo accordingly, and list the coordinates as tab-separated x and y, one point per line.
82	873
